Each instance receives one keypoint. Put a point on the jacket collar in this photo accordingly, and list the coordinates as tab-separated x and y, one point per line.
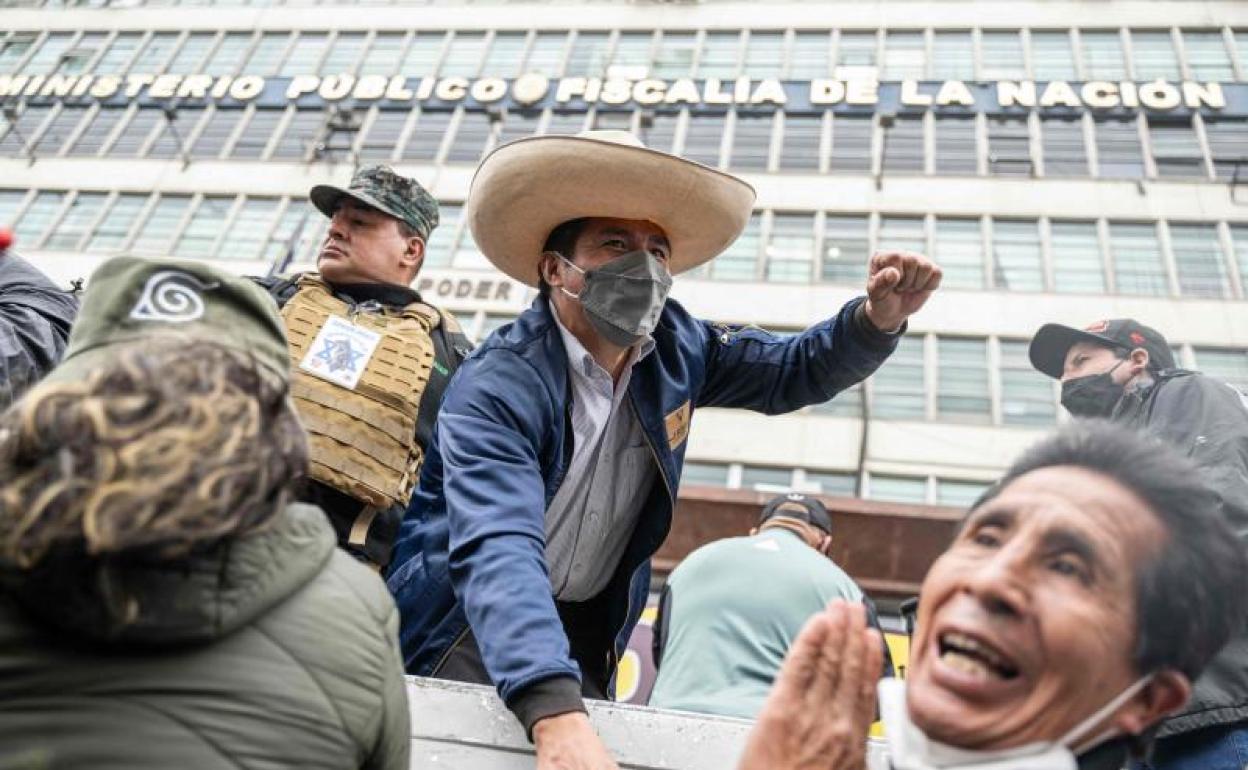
391	294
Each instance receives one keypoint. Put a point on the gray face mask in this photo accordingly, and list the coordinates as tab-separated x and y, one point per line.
624	298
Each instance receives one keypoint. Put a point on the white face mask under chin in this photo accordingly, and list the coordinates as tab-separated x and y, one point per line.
910	749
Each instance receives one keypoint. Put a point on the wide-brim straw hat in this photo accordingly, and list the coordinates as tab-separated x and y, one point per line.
526	188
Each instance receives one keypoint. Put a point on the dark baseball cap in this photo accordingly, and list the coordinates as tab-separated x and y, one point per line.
800	507
1051	344
380	188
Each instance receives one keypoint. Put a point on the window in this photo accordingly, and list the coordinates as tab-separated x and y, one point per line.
953	56
113	229
739	261
298	141
206	225
960	494
962	378
703	138
1052	57
720	53
231	51
851	145
217	131
442	239
506	54
903	234
1241	45
172	134
1064	150
960	252
1228	144
47	59
675	55
161	223
10	201
903	146
1002	56
1009	142
632	55
294	230
1227	365
492	323
59	130
565	122
1154	56
855	50
1077	267
1102	56
898	489
385	55
802	137
157	51
831	483
463	58
423	54
811	57
192	53
1017	263
1026	395
765	54
383	135
1207	56
14	50
1176	149
37	217
751	141
753	476
426	138
588	57
897	387
130	142
1199	260
704	474
470	139
15	135
845	249
267	54
791	252
546	56
306	54
847	403
1118	148
344	55
905	56
956	151
658	130
1239	246
249	232
73	226
1138	268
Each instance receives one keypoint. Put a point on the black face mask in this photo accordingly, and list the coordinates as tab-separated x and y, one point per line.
1094	395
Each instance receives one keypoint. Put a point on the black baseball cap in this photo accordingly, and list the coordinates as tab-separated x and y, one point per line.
1051	344
800	507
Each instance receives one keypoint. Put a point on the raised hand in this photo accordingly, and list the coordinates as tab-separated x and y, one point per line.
898	283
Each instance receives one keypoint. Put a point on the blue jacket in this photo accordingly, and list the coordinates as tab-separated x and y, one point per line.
471	551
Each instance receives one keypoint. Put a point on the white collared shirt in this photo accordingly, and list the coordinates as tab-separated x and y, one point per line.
593	514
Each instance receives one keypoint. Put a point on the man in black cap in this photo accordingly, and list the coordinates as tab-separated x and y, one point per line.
1123	370
730	611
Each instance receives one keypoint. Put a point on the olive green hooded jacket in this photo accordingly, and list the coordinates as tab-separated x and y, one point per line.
276	650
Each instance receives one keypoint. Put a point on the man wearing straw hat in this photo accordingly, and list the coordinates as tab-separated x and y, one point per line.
551	480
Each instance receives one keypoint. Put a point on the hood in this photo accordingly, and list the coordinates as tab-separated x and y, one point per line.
195	600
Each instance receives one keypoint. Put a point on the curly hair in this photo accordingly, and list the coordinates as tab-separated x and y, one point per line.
171	447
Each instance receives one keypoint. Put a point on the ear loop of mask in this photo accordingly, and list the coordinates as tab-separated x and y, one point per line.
572	265
1071	739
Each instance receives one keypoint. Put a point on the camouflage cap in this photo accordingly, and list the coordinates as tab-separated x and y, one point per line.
132	300
379	187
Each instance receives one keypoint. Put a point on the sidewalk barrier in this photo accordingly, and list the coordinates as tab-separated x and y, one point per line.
466	727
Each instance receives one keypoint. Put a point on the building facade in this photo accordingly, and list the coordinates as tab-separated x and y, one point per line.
1063	161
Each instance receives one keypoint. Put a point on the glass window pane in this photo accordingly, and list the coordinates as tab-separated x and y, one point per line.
249	231
1052	57
129	143
383	135
847	403
157	51
47	59
704	474
506	54
963	377
267	54
1227	365
344	55
191	55
1241	46
1176	149
953	56
1017	264
751	141
1064	151
300	136
1002	56
306	54
801	139
1154	56
426	138
1228	144
851	145
903	146
1118	148
172	135
423	54
256	134
905	56
703	138
14	50
442	239
956	151
739	261
158	230
719	55
790	255
58	131
898	489
517	125
831	483
230	51
492	323
36	219
73	225
112	231
470	138
15	135
1077	267
897	387
903	234
658	130
1009	143
1138	268
754	476
295	228
855	50
960	253
207	223
1207	56
1026	394
216	133
961	494
765	53
83	52
10	200
384	55
588	57
632	55
1239	246
565	122
612	120
546	56
845	249
1199	259
811	56
675	56
1102	56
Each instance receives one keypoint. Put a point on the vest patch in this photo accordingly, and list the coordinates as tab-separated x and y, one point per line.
340	352
677	424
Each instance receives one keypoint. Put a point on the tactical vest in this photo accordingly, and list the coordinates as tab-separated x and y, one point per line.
362	439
